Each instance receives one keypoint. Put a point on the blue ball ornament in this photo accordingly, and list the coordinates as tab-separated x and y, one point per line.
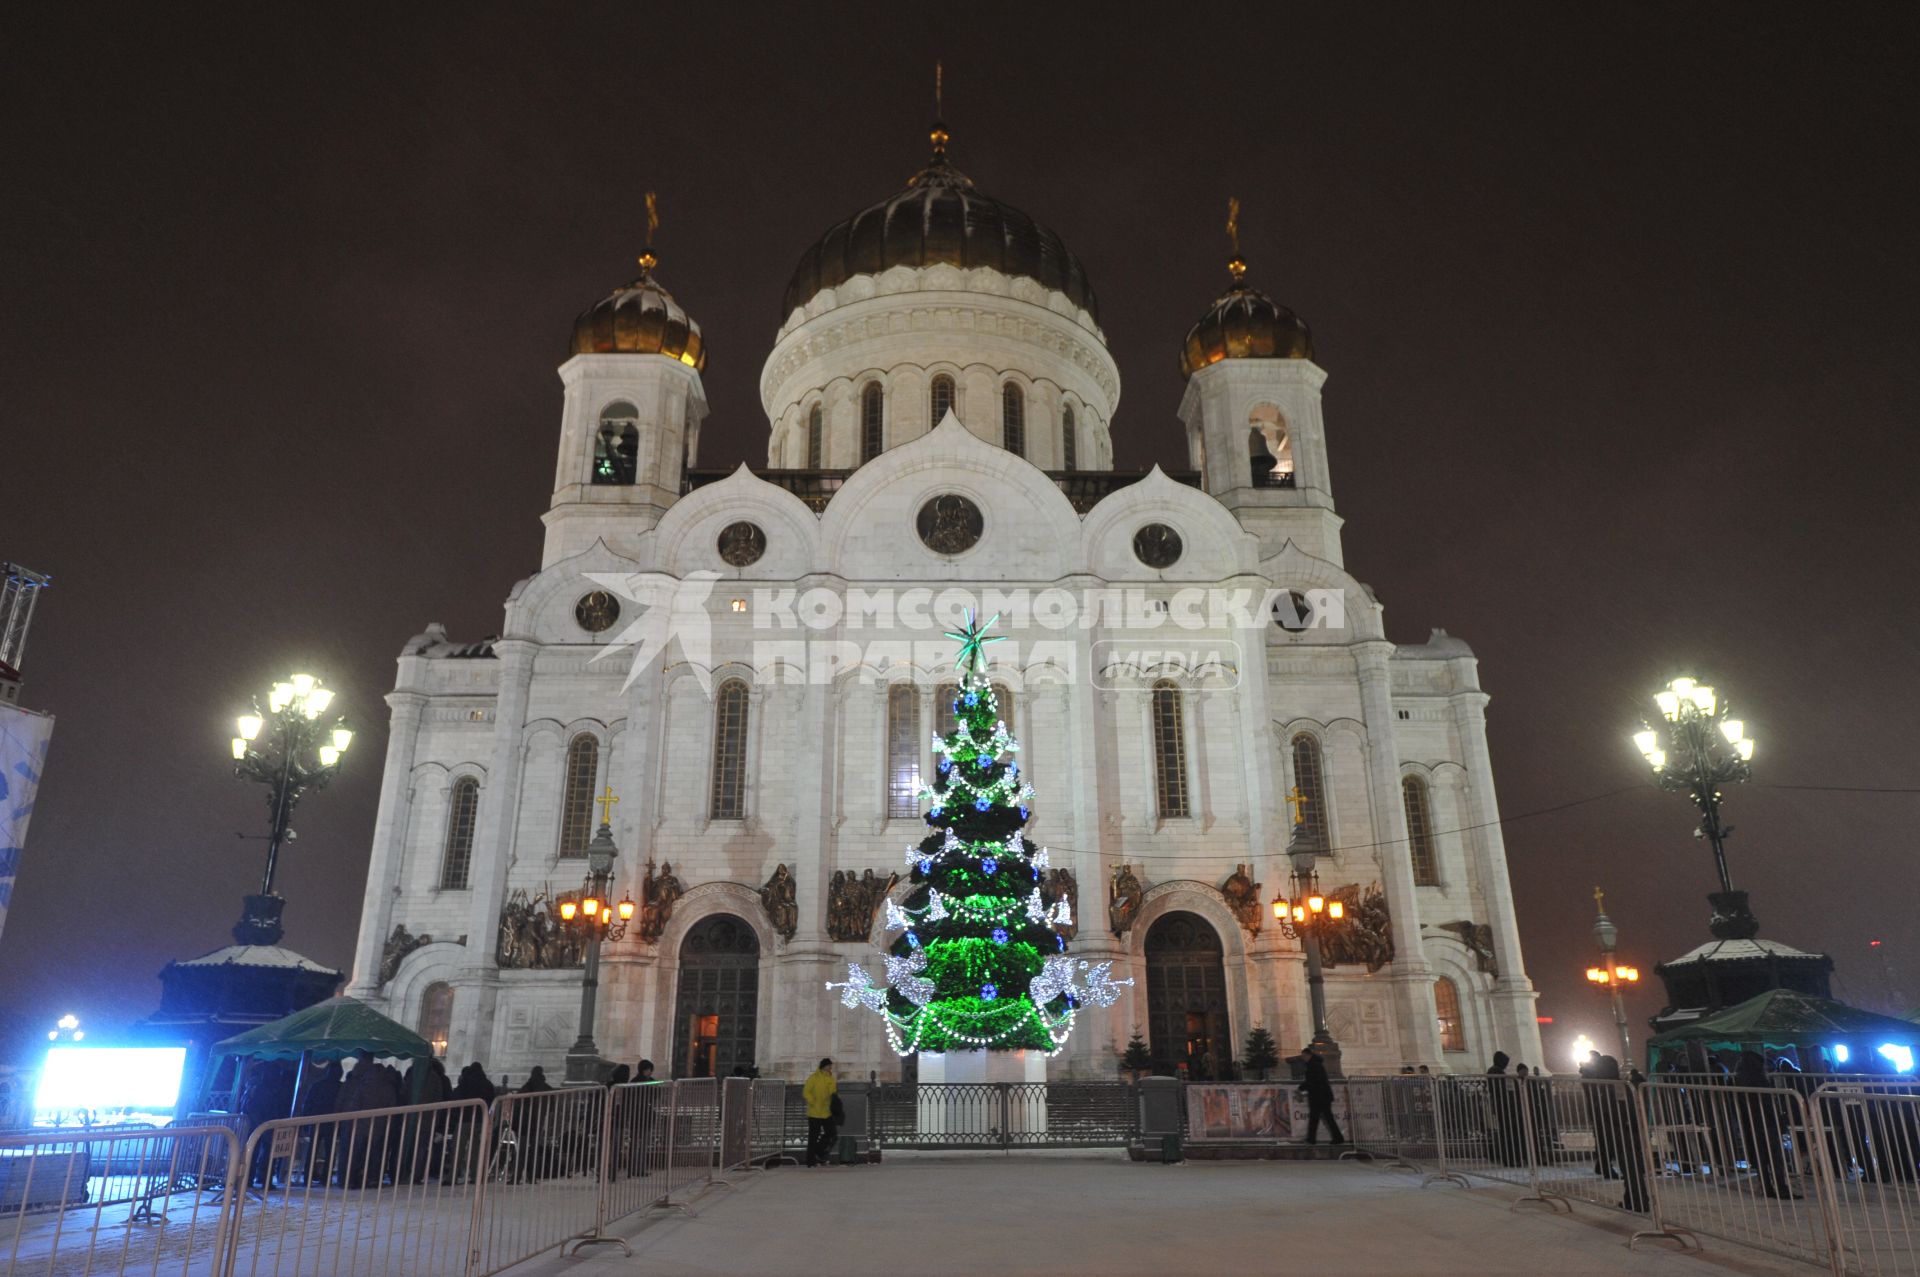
983	760
926	866
946	764
989	866
983	804
1062	942
988	993
936	812
1023	813
999	935
913	941
973	698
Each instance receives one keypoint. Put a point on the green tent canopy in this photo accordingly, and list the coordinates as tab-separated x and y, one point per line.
330	1030
1781	1019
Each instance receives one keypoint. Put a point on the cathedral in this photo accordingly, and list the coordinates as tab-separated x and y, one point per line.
738	677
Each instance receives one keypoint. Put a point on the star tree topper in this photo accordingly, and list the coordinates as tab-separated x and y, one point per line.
973	638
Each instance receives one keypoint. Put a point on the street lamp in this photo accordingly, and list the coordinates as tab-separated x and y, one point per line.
603	920
1611	975
1703	748
1303	917
290	747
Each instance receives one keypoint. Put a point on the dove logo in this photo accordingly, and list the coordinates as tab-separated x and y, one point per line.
672	609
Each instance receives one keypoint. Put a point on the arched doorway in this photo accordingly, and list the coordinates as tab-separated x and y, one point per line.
714	1010
1187	999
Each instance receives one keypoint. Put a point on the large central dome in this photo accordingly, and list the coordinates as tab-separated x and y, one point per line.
940	219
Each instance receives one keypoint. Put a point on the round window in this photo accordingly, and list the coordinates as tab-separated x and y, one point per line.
596	611
1157	546
741	544
950	524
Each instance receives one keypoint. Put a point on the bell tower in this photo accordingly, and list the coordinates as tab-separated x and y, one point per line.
1252	413
631	421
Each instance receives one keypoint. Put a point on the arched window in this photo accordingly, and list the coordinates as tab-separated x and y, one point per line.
873	407
903	751
729	797
1313	790
436	1016
576	798
1013	419
463	805
1269	448
1446	1008
1426	865
815	441
1069	446
617	447
940	398
1169	751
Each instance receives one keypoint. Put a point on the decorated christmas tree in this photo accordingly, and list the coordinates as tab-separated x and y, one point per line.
978	959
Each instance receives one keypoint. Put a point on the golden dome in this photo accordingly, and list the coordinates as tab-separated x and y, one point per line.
939	218
1244	323
640	319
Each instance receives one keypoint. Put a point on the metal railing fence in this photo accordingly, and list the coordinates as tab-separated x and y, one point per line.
57	1188
382	1191
542	1188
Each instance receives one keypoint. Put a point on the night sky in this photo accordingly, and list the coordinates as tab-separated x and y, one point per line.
1619	315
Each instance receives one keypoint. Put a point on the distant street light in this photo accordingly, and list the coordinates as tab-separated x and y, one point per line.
1611	975
1702	749
291	750
596	912
1305	916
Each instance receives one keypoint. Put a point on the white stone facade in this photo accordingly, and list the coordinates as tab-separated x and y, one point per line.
816	734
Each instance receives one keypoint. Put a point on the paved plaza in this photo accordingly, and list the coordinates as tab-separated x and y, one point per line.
1096	1213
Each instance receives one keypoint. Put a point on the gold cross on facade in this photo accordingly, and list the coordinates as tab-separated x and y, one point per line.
606	801
1298	802
1599	900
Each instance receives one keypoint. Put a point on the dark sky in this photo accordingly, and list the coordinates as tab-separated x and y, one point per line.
1619	314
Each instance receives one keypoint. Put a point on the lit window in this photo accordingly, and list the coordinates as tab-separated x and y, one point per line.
1169	751
1013	419
1307	779
1426	866
903	751
576	800
738	605
436	1016
1446	1007
463	804
940	399
729	751
617	447
1069	446
872	421
814	440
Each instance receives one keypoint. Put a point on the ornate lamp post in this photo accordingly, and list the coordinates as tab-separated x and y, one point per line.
1702	749
1611	975
291	749
596	913
1304	916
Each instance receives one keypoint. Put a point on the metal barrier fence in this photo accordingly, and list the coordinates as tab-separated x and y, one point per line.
542	1189
769	1138
1002	1115
736	1124
392	1190
56	1188
1870	1153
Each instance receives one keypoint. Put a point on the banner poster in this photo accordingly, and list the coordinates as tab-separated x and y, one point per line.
24	736
1254	1111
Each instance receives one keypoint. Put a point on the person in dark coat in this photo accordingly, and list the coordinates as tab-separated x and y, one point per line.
474	1084
1318	1088
1626	1151
367	1086
267	1097
1503	1106
529	1120
1761	1125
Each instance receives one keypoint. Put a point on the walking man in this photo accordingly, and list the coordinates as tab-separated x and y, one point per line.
1318	1088
819	1092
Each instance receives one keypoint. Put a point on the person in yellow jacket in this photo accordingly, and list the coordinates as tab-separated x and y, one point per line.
821	1093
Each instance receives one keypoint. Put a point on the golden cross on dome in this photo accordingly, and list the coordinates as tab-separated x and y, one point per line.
1235	266
606	802
647	258
1298	801
1599	900
939	134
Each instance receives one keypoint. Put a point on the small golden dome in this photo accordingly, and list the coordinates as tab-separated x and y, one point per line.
1244	323
640	319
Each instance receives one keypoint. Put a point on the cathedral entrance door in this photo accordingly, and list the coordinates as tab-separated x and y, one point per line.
718	998
1187	1025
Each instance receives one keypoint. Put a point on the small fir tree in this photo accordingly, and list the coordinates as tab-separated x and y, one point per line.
1261	1052
1137	1058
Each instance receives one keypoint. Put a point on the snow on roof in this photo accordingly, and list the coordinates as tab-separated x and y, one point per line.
1733	950
257	955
